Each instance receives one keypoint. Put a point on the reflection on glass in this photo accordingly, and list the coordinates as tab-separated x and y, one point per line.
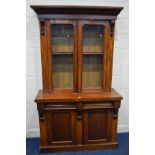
93	38
62	71
62	38
62	56
92	71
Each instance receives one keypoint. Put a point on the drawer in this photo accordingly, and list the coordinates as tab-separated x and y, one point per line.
97	105
60	106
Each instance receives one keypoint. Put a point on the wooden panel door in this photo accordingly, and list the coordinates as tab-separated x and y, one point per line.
61	127
97	126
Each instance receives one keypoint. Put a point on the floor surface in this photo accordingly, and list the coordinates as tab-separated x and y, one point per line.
32	148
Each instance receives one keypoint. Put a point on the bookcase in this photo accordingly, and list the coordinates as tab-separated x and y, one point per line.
77	107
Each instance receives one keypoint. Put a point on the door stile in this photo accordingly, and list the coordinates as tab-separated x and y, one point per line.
80	25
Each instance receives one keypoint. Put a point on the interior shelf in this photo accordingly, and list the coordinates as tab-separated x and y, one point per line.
63	37
62	53
70	53
95	53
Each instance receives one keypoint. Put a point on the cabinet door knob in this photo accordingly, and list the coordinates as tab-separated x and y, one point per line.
79	115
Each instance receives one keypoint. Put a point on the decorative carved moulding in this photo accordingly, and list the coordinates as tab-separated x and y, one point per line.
76	12
42	26
112	27
42	115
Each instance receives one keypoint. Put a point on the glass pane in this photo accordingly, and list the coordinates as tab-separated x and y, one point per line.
92	71
93	44
62	56
62	71
62	38
93	38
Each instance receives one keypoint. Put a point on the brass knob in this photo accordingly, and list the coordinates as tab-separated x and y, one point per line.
100	35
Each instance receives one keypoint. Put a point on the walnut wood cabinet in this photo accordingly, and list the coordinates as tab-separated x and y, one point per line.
77	107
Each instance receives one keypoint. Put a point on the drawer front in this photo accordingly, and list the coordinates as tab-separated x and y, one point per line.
97	105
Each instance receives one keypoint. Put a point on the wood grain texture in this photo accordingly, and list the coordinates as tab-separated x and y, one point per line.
97	125
61	127
109	58
67	148
94	10
43	127
45	54
77	76
115	121
77	113
49	96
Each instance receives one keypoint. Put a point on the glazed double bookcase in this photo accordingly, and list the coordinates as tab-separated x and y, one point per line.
77	107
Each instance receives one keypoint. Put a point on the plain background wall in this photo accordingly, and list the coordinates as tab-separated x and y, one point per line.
33	60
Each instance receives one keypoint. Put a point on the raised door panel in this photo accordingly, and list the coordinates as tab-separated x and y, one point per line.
61	127
97	125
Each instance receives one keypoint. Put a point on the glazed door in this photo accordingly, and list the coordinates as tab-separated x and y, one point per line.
96	126
61	127
91	54
63	55
76	55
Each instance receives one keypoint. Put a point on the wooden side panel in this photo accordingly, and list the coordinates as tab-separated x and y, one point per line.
97	125
61	127
108	59
45	54
42	123
114	121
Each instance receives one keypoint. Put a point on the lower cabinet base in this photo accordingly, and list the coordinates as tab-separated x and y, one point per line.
80	124
67	148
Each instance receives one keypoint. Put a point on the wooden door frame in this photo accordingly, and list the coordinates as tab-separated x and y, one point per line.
107	67
46	53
